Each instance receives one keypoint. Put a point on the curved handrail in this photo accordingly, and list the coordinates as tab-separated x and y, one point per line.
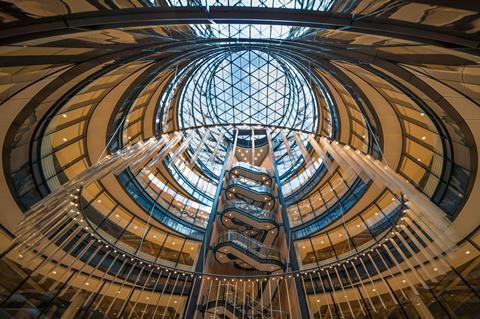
249	209
251	185
250	245
250	167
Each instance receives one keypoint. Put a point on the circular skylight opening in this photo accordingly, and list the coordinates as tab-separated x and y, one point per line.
247	87
250	87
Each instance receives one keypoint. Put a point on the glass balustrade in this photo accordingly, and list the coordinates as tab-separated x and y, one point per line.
249	244
242	303
250	209
250	167
250	185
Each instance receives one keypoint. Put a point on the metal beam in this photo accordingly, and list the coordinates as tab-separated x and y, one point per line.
36	28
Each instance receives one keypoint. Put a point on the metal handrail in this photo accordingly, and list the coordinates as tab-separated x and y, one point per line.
249	244
251	167
252	185
250	209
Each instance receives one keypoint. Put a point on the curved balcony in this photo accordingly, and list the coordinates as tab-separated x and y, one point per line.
233	245
333	213
250	192
169	213
256	173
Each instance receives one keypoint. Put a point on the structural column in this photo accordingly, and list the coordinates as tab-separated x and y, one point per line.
194	293
292	257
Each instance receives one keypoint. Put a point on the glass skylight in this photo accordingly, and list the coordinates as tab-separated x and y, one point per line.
242	86
246	86
249	87
248	31
322	5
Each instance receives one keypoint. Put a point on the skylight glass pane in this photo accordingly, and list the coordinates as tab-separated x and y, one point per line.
249	87
322	5
248	31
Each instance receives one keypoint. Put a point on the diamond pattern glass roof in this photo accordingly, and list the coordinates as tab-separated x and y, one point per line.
250	87
247	86
248	31
244	86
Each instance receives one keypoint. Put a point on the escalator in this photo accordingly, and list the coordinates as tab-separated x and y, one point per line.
247	238
242	249
248	215
250	219
255	173
251	192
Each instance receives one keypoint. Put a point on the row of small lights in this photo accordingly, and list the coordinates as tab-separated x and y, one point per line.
186	274
216	278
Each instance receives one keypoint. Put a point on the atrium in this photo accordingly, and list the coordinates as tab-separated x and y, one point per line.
241	159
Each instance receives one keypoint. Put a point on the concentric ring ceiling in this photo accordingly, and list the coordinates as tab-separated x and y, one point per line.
323	95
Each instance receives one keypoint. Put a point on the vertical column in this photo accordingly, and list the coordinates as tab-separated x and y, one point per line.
193	297
302	299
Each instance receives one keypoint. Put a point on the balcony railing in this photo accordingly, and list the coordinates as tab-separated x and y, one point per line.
250	245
